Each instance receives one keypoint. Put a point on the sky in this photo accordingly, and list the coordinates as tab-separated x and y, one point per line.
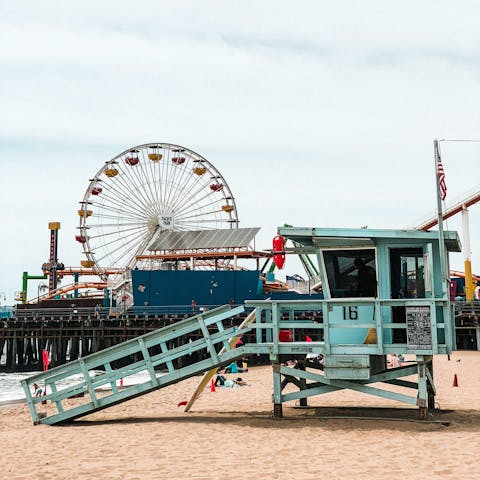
317	113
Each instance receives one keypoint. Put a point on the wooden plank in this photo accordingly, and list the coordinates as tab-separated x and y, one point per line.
210	374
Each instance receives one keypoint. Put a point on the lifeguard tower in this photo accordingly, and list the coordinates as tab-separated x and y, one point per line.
385	292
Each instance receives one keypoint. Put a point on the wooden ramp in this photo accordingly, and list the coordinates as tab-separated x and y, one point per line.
156	349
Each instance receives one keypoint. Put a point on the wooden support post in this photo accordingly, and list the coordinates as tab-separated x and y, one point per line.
13	365
20	350
277	391
2	345
422	398
74	348
29	357
477	333
303	401
431	388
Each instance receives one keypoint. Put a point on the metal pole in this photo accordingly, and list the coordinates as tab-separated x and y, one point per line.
75	281
24	286
441	237
467	255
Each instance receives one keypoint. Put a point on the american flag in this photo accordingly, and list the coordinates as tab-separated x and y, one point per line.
441	179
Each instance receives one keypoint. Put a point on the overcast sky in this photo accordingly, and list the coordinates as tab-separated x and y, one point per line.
316	113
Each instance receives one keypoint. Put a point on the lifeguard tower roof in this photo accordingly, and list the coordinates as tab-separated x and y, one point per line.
347	237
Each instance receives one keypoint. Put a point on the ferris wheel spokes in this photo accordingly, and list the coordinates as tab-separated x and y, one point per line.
147	189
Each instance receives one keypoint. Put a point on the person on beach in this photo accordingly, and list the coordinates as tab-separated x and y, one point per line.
232	368
223	381
220	380
241	383
245	364
37	391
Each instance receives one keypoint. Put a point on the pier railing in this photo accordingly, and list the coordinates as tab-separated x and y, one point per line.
109	312
461	308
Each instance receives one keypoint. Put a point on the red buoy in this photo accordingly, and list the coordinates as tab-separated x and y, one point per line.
278	244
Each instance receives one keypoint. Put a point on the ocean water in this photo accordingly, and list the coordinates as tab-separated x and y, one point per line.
11	388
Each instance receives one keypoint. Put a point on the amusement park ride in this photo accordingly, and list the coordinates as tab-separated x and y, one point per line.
460	206
149	209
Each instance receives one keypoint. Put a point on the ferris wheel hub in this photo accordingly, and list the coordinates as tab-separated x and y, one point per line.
167	221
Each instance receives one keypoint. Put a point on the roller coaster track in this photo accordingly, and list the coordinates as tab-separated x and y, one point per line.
466	201
69	288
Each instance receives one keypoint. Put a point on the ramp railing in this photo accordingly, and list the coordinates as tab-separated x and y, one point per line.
155	350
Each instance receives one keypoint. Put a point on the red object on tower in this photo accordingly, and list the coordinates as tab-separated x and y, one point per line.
285	336
278	249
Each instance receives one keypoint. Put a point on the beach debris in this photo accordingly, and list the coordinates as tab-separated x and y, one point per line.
182	404
455	381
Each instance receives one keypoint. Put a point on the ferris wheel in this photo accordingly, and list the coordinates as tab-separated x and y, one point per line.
148	189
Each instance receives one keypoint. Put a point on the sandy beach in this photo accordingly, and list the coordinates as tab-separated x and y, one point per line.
231	434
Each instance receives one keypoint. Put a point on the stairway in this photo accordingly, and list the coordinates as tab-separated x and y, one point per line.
154	350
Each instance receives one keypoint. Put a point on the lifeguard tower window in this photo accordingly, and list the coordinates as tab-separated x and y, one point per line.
351	273
407	273
407	281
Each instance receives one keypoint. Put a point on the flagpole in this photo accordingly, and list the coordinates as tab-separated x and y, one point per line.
441	236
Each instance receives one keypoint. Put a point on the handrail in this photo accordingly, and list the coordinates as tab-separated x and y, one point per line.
375	341
105	312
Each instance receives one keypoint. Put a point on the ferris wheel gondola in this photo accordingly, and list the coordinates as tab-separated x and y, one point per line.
146	190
